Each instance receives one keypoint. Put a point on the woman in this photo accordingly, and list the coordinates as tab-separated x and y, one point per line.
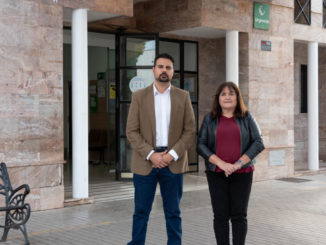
229	140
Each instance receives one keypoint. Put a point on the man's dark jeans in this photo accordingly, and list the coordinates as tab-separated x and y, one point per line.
230	197
171	192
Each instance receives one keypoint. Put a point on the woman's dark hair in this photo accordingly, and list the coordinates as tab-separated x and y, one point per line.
164	56
240	110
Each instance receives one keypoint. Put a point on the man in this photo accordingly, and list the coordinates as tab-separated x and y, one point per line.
160	127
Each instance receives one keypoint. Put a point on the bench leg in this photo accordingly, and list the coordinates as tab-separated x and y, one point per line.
5	234
6	229
24	231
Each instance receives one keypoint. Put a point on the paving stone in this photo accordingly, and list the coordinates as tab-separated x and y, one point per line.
279	213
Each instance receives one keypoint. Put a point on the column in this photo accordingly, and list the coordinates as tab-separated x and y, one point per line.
79	104
313	128
232	56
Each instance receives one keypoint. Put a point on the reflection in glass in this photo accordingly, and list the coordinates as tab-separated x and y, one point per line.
190	84
132	80
176	80
172	49
190	56
140	52
125	155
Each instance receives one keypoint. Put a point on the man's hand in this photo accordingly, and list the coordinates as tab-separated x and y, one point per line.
157	160
167	158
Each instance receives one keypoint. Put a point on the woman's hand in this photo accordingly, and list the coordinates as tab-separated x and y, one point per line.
228	168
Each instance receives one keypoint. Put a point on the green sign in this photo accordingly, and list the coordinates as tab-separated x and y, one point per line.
261	16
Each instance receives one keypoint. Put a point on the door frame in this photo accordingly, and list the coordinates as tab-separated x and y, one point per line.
122	174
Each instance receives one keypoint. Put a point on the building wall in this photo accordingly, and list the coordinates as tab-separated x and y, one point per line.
211	72
266	78
322	105
268	89
300	119
163	16
31	111
118	7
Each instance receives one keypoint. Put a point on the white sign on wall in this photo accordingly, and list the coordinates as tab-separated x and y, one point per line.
137	83
276	157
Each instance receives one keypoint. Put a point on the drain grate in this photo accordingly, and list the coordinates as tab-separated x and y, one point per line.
294	180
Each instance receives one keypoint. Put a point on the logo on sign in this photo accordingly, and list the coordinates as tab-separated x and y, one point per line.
261	16
137	83
261	10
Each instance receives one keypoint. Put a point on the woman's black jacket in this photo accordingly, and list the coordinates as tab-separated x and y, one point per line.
250	135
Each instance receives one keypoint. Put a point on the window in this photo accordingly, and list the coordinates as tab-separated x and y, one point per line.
324	13
302	12
304	96
185	55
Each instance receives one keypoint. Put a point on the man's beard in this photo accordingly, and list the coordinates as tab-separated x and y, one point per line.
163	80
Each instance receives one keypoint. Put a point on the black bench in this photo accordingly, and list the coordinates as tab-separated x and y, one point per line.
17	211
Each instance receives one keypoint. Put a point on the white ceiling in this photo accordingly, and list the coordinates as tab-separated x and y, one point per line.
91	15
200	32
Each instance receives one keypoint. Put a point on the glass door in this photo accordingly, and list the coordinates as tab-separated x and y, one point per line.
185	55
135	59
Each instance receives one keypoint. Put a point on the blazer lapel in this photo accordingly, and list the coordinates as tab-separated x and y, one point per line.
173	113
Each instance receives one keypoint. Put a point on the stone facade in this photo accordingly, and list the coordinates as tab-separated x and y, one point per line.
301	119
31	85
31	134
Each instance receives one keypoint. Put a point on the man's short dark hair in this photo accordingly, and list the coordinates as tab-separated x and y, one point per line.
164	56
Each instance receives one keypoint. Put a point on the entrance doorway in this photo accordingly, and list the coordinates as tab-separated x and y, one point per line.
119	64
102	107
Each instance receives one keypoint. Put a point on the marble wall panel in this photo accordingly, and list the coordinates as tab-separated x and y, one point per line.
51	16
51	60
211	72
244	66
168	15
264	171
31	132
221	14
118	7
51	197
271	98
21	152
37	176
23	12
284	3
33	198
51	150
77	3
281	21
52	38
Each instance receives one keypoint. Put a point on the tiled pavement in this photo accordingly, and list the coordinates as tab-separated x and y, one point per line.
280	212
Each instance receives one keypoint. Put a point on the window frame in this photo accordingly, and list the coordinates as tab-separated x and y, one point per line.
297	4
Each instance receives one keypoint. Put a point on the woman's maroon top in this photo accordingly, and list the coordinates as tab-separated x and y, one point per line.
228	143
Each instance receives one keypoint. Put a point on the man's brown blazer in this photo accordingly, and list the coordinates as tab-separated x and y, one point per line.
141	129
